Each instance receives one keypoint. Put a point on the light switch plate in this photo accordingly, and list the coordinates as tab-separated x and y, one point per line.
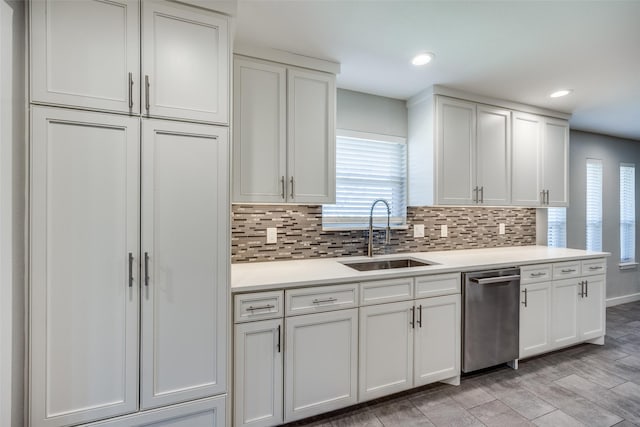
444	232
501	229
272	235
418	230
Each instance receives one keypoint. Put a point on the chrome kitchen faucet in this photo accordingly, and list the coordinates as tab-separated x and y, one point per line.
387	234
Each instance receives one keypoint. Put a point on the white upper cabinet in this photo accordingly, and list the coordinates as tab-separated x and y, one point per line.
456	151
526	180
555	162
185	62
465	152
86	54
89	54
493	150
185	256
260	126
284	133
84	266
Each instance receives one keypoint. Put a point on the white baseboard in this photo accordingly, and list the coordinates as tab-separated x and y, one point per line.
623	299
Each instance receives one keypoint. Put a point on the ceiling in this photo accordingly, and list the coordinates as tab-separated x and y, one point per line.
514	50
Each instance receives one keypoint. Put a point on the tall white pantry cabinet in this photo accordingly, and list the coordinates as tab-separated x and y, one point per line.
129	214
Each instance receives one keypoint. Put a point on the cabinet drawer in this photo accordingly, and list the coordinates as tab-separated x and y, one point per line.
535	273
381	291
594	266
566	270
258	306
323	298
436	285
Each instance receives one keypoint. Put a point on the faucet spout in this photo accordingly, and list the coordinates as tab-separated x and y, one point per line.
387	233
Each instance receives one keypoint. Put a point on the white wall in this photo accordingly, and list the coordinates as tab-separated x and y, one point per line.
12	212
368	113
622	285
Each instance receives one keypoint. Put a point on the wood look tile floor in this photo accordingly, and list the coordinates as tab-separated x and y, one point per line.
586	385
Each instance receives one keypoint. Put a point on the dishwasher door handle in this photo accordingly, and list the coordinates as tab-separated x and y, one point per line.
496	279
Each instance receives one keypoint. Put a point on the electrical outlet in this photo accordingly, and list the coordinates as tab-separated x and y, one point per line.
501	229
418	230
444	232
272	235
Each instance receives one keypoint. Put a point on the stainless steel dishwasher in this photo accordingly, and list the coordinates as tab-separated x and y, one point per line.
491	318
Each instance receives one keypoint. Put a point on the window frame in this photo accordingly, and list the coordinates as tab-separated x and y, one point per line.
362	223
627	262
598	225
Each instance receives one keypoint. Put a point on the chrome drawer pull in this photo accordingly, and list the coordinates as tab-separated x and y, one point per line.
261	307
599	267
322	301
568	270
538	274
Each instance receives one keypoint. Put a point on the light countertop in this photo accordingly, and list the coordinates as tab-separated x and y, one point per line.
262	276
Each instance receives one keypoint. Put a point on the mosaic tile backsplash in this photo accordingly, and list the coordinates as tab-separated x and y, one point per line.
300	233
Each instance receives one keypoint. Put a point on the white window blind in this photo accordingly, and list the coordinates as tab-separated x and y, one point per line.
557	227
627	213
368	169
594	204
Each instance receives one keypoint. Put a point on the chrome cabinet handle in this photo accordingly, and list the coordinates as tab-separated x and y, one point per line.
327	300
292	193
542	197
146	92
568	270
146	269
413	317
420	315
526	299
130	270
282	193
482	194
598	267
278	345
538	274
130	91
475	194
581	293
261	307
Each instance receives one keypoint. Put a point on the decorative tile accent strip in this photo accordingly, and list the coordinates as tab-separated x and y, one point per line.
300	233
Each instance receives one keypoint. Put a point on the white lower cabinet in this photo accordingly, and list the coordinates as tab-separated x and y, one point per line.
535	319
564	313
437	339
321	360
386	349
591	308
209	412
258	373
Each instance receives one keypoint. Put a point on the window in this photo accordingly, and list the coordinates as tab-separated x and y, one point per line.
557	227
594	204
627	213
368	167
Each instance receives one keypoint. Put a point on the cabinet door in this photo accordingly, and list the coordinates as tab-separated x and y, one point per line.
185	223
493	155
258	373
185	62
455	151
437	339
386	349
564	312
555	161
311	155
535	319
591	308
321	359
82	54
526	182
209	412
84	288
259	137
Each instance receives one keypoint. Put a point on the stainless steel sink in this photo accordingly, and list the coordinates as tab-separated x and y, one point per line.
386	264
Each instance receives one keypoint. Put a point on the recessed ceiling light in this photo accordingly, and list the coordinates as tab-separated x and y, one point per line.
422	58
559	93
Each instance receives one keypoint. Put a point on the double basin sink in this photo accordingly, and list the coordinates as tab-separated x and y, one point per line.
387	264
